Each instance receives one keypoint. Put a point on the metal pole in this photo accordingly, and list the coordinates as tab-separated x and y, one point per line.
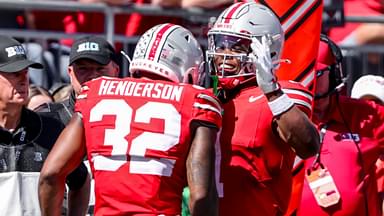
109	24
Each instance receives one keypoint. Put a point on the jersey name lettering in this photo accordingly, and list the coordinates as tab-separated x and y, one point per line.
138	89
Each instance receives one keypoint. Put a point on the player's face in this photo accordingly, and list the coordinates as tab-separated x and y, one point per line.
84	70
14	87
229	50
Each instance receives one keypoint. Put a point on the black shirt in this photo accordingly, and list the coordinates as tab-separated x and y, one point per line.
63	112
26	148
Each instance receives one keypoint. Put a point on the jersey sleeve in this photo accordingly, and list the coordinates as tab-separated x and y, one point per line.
300	95
207	108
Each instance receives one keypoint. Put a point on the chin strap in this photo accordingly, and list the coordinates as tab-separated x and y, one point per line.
225	94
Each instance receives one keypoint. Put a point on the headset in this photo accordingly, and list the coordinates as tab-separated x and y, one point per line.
336	76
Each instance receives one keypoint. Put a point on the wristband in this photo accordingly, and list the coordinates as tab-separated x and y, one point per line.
280	105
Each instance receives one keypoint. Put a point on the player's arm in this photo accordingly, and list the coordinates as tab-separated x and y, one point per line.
292	125
200	172
295	128
65	156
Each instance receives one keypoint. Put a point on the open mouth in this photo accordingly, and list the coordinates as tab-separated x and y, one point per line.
226	68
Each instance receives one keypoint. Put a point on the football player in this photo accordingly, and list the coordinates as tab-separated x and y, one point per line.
265	121
146	136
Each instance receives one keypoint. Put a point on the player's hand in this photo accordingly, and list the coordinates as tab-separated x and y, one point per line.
265	76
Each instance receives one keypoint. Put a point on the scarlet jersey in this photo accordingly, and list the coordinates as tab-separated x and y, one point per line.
352	168
138	137
256	163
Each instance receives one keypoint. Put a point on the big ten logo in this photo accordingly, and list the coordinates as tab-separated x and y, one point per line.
88	46
15	50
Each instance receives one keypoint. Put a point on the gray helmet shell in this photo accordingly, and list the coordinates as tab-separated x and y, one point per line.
170	51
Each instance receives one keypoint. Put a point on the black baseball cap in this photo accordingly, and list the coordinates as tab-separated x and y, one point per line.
13	57
94	48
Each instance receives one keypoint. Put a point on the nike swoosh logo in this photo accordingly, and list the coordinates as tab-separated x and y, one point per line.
253	98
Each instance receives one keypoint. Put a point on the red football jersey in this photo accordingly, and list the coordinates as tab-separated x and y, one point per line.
138	138
256	163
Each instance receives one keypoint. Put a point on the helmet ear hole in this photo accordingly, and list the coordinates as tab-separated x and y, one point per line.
190	76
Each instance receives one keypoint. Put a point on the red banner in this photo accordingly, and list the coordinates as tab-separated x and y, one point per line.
301	21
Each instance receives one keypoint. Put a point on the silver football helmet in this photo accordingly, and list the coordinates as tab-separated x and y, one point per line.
234	29
169	51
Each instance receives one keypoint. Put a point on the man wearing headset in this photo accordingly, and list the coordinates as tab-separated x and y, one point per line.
341	180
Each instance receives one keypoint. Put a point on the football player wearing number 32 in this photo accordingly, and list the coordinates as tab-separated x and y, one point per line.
265	121
145	136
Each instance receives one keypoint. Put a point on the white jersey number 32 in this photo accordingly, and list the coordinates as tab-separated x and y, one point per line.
115	137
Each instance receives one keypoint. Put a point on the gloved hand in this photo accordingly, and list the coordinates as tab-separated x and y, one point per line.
265	76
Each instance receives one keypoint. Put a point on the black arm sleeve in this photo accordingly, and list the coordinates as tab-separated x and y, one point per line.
76	179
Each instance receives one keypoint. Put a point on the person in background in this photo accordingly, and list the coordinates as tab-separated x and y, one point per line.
38	96
265	121
145	136
61	92
131	25
341	179
369	87
26	136
90	57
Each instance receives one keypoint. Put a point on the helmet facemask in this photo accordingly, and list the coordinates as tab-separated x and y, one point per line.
228	56
224	49
234	30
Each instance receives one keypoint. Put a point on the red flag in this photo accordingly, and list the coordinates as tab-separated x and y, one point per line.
301	21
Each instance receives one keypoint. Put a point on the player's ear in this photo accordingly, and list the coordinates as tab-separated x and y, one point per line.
70	72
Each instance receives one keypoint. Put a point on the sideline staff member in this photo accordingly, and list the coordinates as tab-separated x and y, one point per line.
25	136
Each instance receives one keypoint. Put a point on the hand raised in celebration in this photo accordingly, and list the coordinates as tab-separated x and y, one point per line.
265	75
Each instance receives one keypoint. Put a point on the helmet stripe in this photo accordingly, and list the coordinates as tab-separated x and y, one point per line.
157	39
232	11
